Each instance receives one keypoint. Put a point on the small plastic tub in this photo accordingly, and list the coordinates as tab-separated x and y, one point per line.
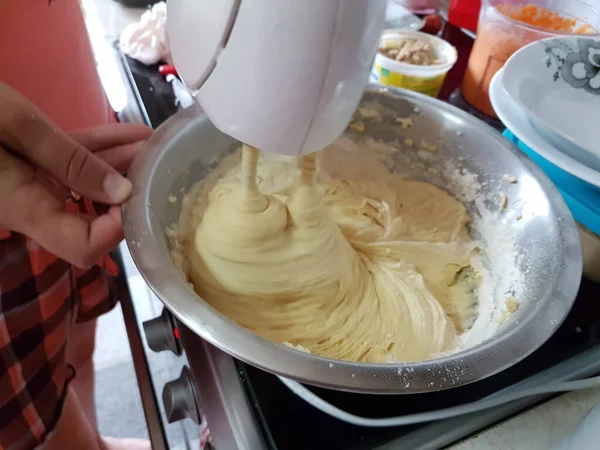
426	79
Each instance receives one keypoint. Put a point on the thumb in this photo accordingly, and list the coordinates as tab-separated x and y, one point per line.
34	137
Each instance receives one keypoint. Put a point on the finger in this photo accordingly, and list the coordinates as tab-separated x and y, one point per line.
80	240
108	136
120	158
35	212
56	188
26	131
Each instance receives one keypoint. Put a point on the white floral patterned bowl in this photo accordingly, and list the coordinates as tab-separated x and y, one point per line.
557	81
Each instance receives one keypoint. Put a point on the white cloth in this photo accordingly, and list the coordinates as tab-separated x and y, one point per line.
147	40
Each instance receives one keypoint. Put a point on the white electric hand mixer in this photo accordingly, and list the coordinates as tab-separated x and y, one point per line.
284	76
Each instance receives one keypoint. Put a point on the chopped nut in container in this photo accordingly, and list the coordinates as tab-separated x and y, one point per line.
358	126
503	201
428	147
405	122
411	51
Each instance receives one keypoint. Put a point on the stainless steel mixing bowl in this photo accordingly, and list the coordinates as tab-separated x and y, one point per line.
185	148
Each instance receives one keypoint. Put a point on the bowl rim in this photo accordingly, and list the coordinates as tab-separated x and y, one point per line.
472	364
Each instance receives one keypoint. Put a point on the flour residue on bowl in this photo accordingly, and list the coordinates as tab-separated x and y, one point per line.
499	261
492	265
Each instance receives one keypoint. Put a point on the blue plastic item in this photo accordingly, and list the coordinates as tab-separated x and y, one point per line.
583	199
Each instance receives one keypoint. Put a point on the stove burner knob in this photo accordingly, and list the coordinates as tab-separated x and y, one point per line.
162	334
179	398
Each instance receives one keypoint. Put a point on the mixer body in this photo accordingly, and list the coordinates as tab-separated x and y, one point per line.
284	76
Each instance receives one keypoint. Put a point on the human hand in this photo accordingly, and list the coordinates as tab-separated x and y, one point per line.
40	165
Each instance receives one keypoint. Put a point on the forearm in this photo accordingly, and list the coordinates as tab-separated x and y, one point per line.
73	429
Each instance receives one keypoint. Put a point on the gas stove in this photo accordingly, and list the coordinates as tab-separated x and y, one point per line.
186	383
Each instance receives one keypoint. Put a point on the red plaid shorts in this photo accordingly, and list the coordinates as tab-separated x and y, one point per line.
41	297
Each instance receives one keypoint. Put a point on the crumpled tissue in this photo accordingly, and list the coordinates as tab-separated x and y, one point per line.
147	40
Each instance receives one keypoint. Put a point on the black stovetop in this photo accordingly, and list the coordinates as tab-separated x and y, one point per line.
289	423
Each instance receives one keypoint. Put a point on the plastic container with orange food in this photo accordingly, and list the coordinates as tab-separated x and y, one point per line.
507	25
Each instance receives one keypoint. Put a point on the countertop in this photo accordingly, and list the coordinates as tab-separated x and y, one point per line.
536	429
539	428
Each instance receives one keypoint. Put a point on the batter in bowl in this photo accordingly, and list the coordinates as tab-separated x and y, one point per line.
355	264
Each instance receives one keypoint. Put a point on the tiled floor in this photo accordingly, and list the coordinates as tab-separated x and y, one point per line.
111	347
118	403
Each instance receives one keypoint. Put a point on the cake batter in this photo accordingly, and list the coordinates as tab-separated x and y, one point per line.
348	262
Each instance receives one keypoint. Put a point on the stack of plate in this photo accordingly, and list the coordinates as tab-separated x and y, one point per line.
548	96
